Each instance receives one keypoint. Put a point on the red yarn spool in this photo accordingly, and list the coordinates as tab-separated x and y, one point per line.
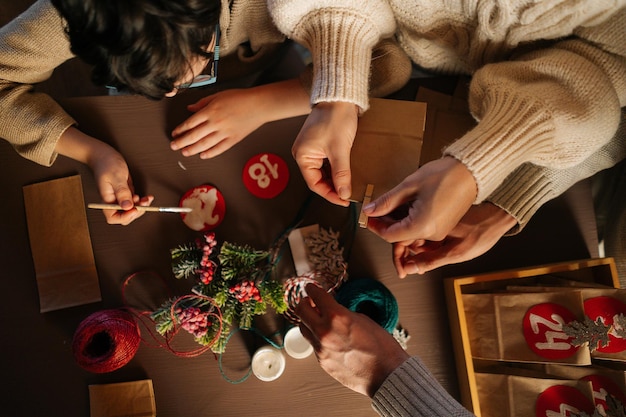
106	341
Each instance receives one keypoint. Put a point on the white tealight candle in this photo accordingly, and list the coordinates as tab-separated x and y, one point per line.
268	363
296	345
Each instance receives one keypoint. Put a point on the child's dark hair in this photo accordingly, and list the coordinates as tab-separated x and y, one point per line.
144	46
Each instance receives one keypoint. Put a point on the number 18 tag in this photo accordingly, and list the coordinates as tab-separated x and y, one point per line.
266	175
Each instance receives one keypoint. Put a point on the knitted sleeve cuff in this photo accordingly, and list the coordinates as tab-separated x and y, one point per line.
522	193
530	186
511	132
341	48
39	146
411	390
340	34
552	107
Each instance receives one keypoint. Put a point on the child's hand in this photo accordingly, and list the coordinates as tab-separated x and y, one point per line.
110	171
220	121
327	136
115	184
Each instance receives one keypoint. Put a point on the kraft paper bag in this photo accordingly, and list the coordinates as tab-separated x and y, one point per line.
515	396
604	379
605	304
387	146
60	244
123	399
524	327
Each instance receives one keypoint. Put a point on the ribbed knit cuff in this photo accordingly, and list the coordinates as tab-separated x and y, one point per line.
38	140
411	390
511	132
522	193
341	47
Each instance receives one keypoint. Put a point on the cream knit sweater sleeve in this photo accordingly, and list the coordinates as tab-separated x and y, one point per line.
552	107
340	35
31	46
530	186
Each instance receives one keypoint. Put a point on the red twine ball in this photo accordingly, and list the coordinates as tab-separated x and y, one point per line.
106	341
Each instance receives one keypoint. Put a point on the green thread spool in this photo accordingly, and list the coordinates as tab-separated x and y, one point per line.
370	297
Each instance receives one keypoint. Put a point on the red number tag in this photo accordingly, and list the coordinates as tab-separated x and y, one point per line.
603	387
561	400
543	330
266	175
208	208
606	308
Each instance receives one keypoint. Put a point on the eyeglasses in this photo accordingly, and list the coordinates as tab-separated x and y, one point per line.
209	75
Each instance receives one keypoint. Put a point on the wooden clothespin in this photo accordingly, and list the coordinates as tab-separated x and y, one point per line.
369	191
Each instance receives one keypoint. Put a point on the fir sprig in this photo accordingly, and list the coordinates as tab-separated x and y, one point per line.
239	282
237	278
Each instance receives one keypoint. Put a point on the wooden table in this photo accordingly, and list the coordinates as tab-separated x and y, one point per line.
41	377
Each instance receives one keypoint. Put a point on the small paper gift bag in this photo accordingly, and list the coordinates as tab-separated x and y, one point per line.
605	326
604	381
60	244
607	309
524	327
127	399
515	396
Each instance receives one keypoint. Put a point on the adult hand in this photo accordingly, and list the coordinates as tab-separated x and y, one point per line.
115	185
477	232
327	136
219	122
426	205
349	346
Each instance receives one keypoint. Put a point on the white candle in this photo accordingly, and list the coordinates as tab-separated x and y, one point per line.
268	363
296	345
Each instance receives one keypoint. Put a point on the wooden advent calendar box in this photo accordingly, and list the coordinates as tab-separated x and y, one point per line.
584	273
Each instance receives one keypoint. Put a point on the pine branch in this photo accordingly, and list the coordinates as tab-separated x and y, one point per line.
185	260
239	262
273	293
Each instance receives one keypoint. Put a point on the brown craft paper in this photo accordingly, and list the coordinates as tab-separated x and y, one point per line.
127	399
60	244
495	325
387	146
447	119
515	396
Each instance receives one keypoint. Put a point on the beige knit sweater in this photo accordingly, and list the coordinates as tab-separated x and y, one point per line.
34	44
549	76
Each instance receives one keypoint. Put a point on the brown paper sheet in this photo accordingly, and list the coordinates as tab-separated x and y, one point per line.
447	120
127	399
387	145
60	244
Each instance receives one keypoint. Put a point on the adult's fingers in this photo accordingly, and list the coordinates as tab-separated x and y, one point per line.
321	298
391	200
341	175
317	182
308	313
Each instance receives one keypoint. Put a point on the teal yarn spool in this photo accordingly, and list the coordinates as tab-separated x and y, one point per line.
372	298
